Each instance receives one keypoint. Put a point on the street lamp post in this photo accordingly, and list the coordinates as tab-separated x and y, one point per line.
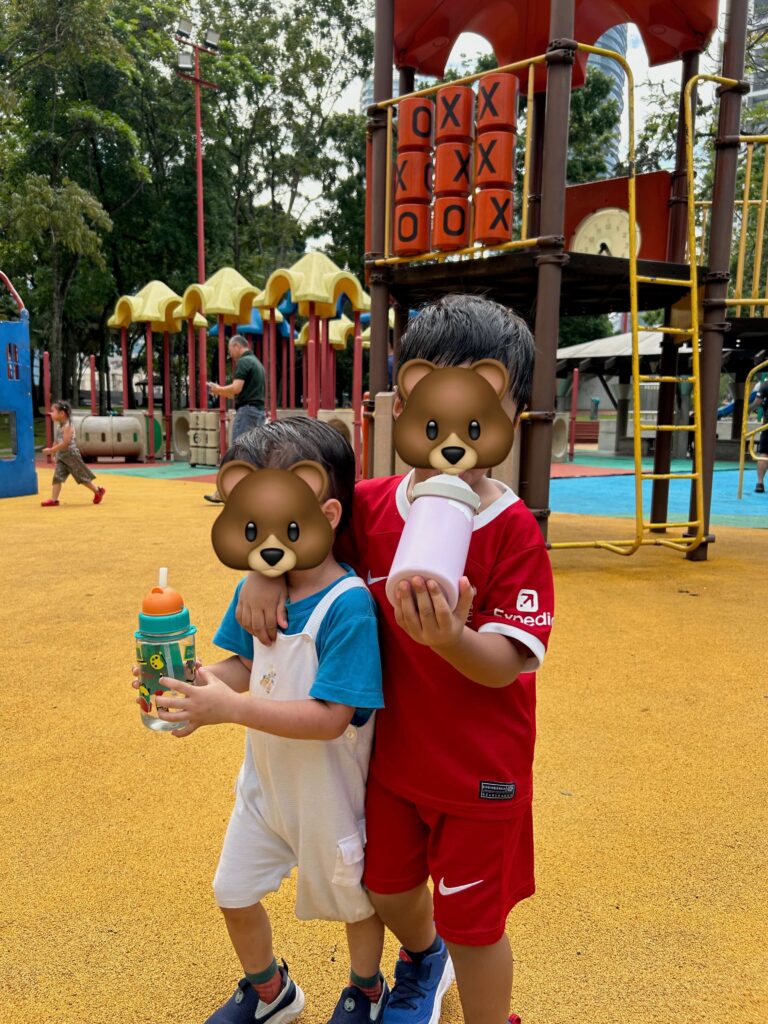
189	68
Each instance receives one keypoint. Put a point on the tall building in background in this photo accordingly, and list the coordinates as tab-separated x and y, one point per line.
758	79
614	39
366	93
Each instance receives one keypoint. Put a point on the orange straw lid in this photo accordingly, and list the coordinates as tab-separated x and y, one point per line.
162	599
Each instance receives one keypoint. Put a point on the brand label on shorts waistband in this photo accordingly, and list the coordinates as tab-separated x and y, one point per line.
497	790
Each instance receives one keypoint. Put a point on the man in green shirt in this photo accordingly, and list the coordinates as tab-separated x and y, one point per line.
247	389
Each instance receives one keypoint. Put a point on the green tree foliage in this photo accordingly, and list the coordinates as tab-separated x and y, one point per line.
97	132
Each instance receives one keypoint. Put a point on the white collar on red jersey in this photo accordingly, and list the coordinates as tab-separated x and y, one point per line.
503	502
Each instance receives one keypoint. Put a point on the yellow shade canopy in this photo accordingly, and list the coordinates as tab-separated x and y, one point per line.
263	308
226	294
340	333
156	304
316	278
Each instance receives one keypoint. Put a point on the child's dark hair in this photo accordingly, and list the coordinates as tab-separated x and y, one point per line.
65	407
280	444
466	328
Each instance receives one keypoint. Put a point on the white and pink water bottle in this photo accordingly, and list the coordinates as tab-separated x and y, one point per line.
435	540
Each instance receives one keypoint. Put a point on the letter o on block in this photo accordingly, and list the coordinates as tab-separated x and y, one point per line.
454	114
411	233
495	165
497	102
415	123
413	176
493	216
451	227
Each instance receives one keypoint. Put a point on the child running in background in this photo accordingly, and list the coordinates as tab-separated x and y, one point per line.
308	704
69	461
450	787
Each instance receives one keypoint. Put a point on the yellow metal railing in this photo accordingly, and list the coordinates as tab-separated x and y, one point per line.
748	435
755	296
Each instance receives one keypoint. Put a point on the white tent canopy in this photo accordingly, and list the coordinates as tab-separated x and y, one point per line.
616	345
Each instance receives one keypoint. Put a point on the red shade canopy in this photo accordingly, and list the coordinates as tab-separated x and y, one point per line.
426	30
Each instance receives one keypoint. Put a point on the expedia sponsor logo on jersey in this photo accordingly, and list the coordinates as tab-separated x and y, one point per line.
542	619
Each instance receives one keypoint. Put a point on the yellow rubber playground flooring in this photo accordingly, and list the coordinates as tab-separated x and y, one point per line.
650	785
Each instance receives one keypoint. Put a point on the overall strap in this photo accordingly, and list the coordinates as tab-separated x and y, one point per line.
316	618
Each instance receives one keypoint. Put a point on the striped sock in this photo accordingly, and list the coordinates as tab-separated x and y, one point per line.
371	987
268	984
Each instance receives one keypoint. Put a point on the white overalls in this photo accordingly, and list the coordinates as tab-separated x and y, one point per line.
298	802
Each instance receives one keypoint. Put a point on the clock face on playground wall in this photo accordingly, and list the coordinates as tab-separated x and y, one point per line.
605	233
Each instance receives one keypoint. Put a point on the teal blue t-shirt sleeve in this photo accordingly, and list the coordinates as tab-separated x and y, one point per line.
349	666
230	635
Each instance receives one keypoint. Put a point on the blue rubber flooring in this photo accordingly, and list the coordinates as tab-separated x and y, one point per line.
615	496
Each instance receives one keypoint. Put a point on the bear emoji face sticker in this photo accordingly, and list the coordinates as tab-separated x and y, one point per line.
452	419
272	521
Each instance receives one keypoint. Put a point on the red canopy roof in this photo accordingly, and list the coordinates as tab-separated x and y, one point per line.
426	30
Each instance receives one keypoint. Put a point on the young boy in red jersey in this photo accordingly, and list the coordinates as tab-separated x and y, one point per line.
450	781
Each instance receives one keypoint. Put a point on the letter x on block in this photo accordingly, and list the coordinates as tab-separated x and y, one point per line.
449	110
486	95
484	152
501	211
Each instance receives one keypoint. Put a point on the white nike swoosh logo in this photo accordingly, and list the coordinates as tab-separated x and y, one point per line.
374	579
449	890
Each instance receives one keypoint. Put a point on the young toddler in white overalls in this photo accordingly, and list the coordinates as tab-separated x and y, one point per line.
308	701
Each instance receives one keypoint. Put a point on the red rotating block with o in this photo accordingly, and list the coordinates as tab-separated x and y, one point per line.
497	103
493	216
495	163
451	227
413	177
454	114
411	229
453	169
415	123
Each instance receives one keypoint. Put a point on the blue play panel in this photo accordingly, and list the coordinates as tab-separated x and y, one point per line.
615	496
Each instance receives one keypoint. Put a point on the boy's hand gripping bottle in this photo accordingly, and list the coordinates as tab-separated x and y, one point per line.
165	646
435	539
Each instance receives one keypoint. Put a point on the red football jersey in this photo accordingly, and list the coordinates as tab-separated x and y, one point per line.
442	739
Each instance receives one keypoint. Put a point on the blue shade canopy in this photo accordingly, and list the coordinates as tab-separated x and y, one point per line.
288	306
255	327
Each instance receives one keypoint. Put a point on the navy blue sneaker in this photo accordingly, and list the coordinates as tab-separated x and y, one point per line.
354	1006
417	994
244	1006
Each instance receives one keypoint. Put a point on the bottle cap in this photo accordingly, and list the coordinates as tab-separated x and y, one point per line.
162	610
162	599
445	486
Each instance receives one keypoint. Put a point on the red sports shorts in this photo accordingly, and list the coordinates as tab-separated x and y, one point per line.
480	868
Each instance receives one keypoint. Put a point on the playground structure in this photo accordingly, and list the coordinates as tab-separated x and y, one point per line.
613	245
17	469
313	288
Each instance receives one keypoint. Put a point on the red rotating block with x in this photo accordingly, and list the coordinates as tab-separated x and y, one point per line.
413	177
450	230
497	103
454	114
415	124
495	162
493	216
453	169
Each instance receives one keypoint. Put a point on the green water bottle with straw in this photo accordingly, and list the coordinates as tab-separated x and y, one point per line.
165	646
